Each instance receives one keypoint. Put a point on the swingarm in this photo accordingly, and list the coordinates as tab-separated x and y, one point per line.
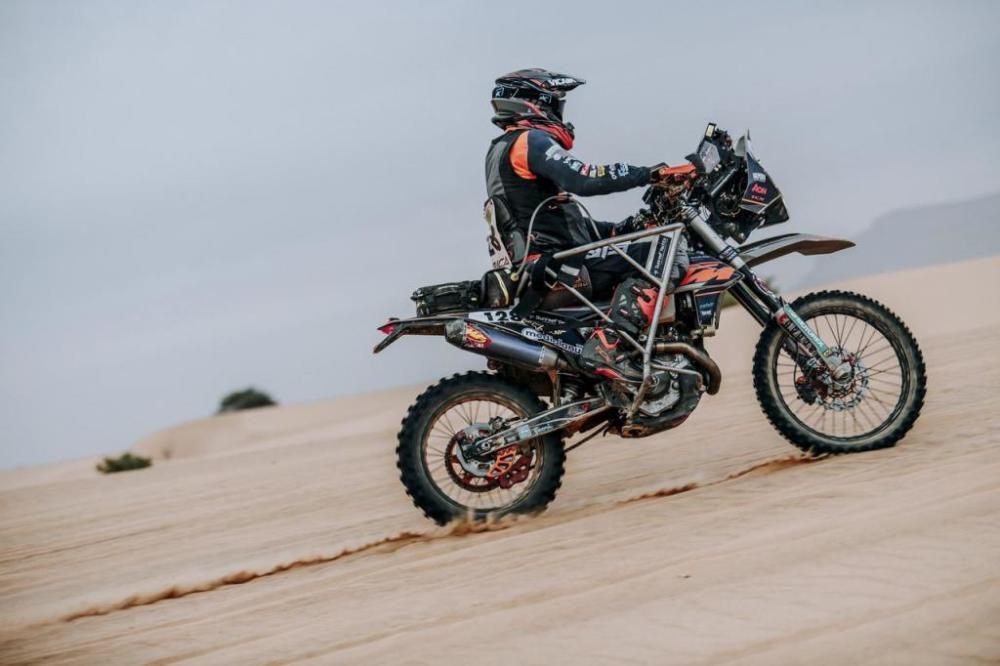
474	445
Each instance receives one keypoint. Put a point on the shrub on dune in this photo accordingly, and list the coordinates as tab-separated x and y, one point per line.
249	398
123	463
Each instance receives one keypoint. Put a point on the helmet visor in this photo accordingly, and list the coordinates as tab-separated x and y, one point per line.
558	105
554	102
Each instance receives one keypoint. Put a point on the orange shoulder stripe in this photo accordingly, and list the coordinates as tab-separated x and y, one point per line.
519	157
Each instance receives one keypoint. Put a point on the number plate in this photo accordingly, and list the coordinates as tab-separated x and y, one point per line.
493	316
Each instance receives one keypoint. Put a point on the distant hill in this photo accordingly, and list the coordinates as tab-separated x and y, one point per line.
913	237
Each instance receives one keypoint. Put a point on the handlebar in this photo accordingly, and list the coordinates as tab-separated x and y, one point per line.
673	174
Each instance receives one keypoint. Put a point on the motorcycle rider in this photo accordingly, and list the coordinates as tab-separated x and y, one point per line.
529	163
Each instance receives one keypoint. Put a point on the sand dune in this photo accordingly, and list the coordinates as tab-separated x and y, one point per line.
284	535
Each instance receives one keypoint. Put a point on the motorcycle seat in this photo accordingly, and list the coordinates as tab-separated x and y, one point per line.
496	290
576	311
559	297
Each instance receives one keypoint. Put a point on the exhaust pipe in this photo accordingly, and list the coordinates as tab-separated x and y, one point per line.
504	346
501	345
698	357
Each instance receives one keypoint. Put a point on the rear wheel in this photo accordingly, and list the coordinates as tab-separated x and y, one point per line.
873	407
446	485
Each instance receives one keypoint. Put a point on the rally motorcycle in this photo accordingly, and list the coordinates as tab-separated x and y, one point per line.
834	371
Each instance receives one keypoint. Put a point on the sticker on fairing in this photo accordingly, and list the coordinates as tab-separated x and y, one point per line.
512	322
541	336
606	251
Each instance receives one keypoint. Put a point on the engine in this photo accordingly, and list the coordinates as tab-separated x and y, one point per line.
668	392
668	403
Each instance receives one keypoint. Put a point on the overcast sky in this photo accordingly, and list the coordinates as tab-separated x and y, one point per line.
198	196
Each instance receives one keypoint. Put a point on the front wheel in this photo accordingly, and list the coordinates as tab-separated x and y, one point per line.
873	407
446	485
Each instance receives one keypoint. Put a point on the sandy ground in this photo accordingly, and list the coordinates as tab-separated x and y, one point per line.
284	535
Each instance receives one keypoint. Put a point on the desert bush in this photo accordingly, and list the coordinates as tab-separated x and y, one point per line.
248	398
123	463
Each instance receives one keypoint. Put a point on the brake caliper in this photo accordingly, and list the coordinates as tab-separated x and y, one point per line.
805	389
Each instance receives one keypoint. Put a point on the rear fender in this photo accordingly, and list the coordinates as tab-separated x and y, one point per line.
394	329
762	251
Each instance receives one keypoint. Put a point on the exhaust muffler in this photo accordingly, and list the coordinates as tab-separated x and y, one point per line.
501	345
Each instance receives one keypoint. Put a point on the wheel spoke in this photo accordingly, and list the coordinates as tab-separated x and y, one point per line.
447	420
854	324
829	327
440	432
854	418
883	380
864	407
841	326
881	363
836	331
872	353
871	373
875	362
871	339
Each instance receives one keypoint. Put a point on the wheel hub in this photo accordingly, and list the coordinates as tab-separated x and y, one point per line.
505	468
836	394
471	476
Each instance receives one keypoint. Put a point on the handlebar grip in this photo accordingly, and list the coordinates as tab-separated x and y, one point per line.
676	174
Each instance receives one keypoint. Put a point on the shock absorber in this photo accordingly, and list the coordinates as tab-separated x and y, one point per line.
572	389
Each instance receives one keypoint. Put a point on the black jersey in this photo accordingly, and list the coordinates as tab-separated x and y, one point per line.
526	166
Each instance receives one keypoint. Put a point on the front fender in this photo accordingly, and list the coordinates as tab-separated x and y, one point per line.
765	250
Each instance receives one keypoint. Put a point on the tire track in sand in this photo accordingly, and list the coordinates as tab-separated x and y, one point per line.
396	541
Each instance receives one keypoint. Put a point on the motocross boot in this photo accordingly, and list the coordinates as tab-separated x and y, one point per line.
604	355
631	311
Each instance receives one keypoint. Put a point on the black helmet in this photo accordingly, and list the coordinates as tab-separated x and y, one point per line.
534	95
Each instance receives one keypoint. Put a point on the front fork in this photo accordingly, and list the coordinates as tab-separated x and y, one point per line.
803	344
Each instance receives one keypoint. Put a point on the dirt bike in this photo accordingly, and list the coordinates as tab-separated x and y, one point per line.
834	372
